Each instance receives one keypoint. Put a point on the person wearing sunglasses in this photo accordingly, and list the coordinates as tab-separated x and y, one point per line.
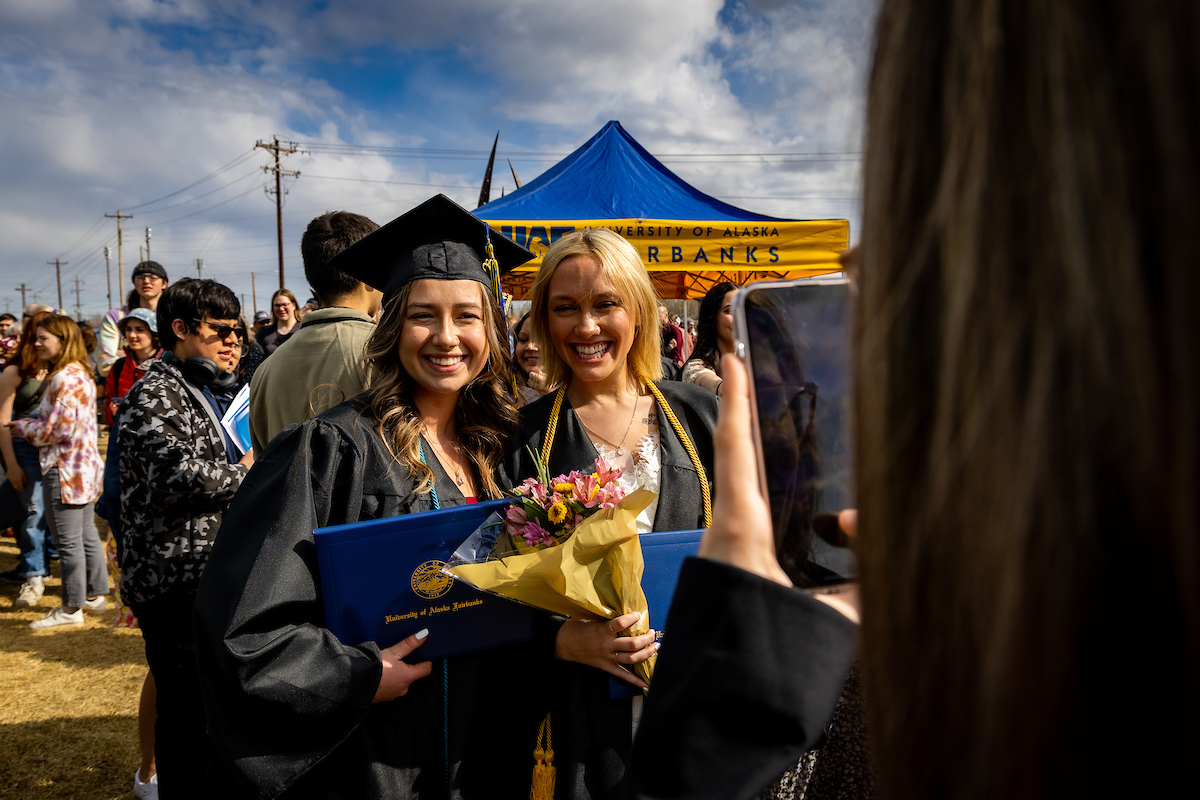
179	470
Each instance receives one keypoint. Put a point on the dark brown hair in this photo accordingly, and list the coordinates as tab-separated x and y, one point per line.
1028	399
325	237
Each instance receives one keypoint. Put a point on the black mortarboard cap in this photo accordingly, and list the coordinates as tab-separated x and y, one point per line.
438	239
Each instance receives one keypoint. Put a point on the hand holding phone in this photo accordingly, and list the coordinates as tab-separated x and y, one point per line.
741	531
794	338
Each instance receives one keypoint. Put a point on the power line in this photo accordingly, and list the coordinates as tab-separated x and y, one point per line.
396	183
207	177
433	152
233	182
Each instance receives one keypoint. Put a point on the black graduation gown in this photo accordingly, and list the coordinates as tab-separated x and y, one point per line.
289	706
592	733
747	681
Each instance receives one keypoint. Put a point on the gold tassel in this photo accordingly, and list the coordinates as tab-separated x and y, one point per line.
542	787
492	268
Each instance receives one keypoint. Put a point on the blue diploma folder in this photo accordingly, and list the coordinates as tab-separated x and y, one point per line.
663	554
382	582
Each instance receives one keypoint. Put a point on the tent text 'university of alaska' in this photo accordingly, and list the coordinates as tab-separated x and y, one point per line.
687	239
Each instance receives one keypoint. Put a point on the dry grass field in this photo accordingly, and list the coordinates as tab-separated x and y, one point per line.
68	700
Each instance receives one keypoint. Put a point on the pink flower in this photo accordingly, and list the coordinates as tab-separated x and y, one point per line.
537	536
606	473
609	496
532	488
516	517
586	487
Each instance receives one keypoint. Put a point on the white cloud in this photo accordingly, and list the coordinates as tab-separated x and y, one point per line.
111	104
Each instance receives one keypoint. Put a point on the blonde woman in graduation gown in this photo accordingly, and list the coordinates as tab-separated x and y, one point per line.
595	320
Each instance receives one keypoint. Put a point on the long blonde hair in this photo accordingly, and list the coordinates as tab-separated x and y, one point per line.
485	416
620	263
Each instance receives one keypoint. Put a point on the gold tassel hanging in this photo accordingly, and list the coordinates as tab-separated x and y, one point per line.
543	766
492	267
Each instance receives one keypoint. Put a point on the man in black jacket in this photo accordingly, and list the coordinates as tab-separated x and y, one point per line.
179	471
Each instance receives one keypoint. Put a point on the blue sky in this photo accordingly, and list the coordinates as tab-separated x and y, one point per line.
125	104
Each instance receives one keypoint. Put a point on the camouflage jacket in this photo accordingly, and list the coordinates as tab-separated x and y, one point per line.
176	483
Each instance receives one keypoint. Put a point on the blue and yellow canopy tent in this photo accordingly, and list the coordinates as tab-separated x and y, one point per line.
687	239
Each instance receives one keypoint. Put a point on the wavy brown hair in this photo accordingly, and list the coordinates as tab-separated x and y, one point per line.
1028	398
485	417
73	350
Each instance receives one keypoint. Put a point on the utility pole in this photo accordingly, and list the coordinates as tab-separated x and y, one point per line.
120	254
21	289
276	149
108	273
253	294
58	274
147	242
78	313
199	267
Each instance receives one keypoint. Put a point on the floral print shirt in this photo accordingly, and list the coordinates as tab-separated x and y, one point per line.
64	432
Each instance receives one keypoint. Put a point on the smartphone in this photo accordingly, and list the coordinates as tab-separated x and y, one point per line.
794	337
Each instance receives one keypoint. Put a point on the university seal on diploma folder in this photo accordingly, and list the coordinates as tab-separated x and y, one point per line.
428	580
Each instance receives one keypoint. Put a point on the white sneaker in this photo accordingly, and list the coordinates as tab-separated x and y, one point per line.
58	617
96	604
147	790
29	595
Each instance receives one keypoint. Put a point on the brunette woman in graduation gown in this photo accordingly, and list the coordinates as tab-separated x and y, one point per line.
595	319
292	711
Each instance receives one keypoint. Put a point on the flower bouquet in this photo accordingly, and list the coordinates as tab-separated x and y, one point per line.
567	545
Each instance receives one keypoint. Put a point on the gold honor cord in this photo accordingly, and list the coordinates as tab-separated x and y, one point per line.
492	267
552	427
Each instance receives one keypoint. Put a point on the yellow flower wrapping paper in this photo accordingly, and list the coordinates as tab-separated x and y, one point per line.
595	574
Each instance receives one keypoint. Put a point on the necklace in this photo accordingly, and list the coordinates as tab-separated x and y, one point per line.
621	446
444	458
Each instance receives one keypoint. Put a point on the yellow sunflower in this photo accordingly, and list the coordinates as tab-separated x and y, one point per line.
557	513
565	488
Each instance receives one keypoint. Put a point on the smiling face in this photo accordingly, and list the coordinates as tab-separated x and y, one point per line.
47	345
443	342
527	350
591	329
282	308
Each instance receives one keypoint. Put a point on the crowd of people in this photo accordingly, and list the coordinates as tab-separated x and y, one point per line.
1025	398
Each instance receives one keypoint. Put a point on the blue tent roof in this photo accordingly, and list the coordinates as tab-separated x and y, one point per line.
611	177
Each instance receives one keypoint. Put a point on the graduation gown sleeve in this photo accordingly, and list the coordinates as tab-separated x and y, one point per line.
281	691
747	680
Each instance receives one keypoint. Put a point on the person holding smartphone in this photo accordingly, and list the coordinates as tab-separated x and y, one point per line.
594	311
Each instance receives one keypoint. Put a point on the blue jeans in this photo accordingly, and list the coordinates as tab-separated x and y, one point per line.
33	537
